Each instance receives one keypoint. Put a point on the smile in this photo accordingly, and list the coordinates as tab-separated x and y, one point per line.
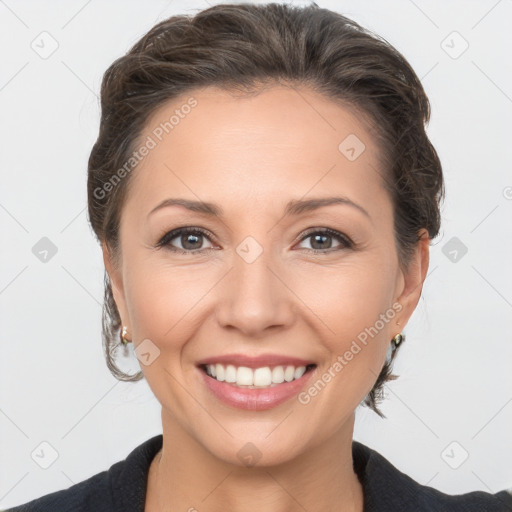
255	378
255	383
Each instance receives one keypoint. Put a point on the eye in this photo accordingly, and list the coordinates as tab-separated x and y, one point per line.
321	240
190	238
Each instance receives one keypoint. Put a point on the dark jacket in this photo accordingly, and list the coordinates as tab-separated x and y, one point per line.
122	488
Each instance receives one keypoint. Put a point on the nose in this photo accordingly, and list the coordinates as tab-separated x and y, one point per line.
255	297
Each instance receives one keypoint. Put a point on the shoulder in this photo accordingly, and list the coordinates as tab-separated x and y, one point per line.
387	488
91	494
121	487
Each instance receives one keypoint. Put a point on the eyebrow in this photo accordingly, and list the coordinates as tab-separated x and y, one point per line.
294	207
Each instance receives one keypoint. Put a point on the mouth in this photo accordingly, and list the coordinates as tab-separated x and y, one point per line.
262	377
257	383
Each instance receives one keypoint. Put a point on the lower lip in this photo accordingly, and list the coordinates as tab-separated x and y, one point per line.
255	399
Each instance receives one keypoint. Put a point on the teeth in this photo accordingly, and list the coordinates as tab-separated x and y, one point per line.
230	373
262	376
244	376
258	377
278	375
219	372
289	373
299	372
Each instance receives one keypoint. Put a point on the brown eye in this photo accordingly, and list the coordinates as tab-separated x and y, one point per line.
190	240
322	240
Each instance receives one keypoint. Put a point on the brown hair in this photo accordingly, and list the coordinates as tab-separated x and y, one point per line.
244	47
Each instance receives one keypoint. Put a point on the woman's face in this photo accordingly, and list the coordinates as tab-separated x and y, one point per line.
248	290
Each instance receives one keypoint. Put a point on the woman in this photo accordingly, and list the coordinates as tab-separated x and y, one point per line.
265	194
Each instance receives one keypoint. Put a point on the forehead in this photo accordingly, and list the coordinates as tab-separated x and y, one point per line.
280	143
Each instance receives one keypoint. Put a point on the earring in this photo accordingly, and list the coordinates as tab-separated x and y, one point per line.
397	339
124	340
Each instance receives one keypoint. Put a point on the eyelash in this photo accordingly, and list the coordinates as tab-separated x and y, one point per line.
171	235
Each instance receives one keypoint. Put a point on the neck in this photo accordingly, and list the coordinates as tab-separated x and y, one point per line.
184	476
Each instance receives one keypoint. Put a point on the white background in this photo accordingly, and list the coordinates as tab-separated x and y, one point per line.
455	368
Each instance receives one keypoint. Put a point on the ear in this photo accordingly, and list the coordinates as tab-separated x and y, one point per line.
116	283
413	279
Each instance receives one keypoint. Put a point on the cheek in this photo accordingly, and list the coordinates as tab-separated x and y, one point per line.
162	299
353	311
350	296
348	302
164	306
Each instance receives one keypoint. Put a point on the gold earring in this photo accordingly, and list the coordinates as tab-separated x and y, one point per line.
124	340
397	339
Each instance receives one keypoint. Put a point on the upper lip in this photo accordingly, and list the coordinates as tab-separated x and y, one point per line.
255	361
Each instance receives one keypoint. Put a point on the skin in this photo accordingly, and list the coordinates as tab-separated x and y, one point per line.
251	156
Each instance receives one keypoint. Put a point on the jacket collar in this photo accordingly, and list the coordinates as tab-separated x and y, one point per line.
385	488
